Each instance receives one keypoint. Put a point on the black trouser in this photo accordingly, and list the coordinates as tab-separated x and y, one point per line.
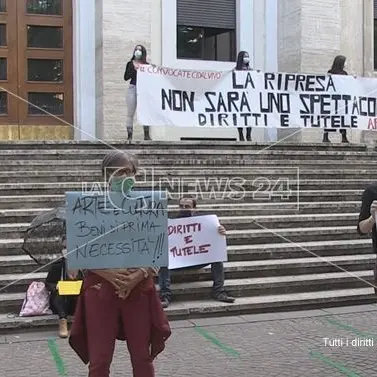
217	270
342	132
63	306
248	133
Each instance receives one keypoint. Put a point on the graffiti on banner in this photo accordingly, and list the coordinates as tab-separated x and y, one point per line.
116	231
195	241
185	98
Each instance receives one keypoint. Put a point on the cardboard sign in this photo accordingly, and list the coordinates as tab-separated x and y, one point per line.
195	241
111	230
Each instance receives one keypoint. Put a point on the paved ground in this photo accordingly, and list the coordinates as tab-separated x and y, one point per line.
331	342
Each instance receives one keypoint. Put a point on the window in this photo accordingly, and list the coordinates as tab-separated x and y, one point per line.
45	70
206	30
206	43
44	36
3	6
52	103
48	7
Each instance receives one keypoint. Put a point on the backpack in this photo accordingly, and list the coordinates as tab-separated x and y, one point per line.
36	301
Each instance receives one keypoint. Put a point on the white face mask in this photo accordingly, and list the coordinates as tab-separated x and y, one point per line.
246	60
345	65
138	54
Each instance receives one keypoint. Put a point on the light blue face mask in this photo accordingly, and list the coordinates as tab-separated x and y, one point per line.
122	184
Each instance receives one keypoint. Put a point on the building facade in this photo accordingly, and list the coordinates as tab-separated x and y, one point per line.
68	56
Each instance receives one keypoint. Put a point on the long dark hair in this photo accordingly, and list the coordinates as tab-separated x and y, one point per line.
240	63
143	54
338	65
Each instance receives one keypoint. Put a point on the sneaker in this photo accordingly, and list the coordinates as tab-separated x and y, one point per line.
165	303
224	297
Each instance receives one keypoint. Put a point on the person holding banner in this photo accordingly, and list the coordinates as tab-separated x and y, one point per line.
243	64
337	69
119	304
187	208
139	57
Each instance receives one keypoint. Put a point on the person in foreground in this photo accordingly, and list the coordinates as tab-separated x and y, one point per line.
119	304
187	207
367	220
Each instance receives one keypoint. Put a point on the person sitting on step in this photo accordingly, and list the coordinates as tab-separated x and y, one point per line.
63	306
187	208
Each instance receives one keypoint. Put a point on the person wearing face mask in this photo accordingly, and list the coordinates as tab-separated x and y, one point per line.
119	304
243	64
187	208
337	69
139	57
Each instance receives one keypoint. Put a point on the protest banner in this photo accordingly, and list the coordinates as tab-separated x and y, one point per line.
185	98
115	231
195	241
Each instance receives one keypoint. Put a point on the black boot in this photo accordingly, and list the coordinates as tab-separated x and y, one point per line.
240	134
146	133
344	136
326	137
248	134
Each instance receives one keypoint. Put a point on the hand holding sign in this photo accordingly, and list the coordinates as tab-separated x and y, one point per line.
222	230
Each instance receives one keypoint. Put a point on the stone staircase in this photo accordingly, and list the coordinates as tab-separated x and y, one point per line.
290	211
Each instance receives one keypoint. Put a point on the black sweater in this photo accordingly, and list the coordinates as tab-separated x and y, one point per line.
130	73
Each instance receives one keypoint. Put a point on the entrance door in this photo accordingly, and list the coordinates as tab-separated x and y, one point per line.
36	89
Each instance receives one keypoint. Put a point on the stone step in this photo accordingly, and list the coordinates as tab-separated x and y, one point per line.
190	154
23	209
17	230
17	261
204	195
18	282
262	286
238	237
197	144
89	164
180	310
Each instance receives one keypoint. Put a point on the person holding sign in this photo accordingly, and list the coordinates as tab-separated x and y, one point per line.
187	207
139	57
119	304
367	220
243	64
337	69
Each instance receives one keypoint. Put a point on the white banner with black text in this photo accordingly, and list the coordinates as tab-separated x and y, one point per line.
184	98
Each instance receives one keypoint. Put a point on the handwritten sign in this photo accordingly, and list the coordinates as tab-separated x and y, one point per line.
195	241
115	231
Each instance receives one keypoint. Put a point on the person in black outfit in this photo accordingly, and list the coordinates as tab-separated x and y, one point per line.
367	219
243	64
63	306
139	57
337	69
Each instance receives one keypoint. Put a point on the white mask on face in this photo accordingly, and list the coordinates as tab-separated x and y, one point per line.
345	65
138	54
246	60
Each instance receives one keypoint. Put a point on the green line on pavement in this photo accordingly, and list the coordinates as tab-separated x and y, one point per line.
340	367
56	356
349	328
216	342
